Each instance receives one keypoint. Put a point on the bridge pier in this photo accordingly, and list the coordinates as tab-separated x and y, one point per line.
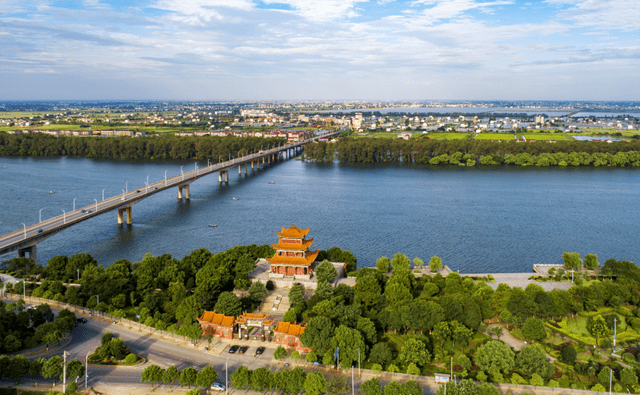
187	191
245	168
28	252
121	212
240	169
226	176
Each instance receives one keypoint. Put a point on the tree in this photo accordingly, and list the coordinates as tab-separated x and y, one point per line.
435	263
338	385
315	384
261	379
393	388
18	368
495	356
152	374
290	316
414	351
533	329
206	377
170	375
324	290
383	263
418	262
628	377
35	368
591	261
189	310
193	331
536	380
411	387
318	333
532	359
279	353
257	291
75	369
367	291
597	326
229	304
188	376
325	271
381	353
295	380
348	341
572	260
569	354
604	375
52	368
371	387
296	294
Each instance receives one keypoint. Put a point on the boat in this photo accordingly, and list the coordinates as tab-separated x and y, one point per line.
234	198
272	182
213	225
51	192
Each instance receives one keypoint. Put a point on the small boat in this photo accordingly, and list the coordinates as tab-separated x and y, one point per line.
213	225
272	182
51	192
234	198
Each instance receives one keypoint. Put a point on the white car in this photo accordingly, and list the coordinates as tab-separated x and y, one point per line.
217	387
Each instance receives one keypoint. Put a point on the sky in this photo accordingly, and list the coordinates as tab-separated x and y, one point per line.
319	50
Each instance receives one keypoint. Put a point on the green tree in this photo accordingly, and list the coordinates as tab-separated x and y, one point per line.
569	354
188	377
411	387
75	369
189	309
193	331
597	326
279	353
325	271
536	380
318	333
152	374
598	388
591	261
572	260
381	353
414	351
371	387
418	262
296	294
240	378
52	368
229	304
367	291
435	263
206	377
290	316
533	329
338	385
393	388
315	384
36	367
383	264
532	359
628	376
495	356
413	369
348	340
261	379
18	367
604	375
257	291
170	375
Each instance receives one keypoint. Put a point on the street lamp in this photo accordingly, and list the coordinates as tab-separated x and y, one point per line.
126	186
96	200
103	194
40	215
86	369
74	204
64	371
147	184
64	217
196	168
165	178
358	361
25	230
123	194
181	173
226	375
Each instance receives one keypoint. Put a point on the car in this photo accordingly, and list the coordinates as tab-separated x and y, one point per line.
260	350
233	349
40	230
88	211
243	349
83	211
81	320
137	191
218	386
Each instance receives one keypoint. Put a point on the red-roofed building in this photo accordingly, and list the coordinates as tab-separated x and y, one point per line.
288	334
293	258
217	324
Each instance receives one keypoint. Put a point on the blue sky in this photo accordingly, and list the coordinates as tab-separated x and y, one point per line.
320	50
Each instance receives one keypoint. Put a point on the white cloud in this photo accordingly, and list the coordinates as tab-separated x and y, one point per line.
606	14
322	10
200	12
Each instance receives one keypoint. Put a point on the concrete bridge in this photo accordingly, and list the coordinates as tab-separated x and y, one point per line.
25	240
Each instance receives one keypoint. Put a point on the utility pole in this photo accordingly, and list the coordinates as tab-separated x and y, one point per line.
226	375
86	369
64	371
614	335
353	385
358	362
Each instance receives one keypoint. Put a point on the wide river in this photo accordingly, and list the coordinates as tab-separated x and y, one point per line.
501	219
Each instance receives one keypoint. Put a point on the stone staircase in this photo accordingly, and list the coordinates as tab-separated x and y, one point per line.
276	303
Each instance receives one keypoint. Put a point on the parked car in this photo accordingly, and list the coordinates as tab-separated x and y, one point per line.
82	320
218	386
233	349
243	349
260	350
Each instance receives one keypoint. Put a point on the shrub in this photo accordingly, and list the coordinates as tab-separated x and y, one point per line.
131	358
311	357
553	384
280	353
413	369
537	380
481	376
517	379
376	367
598	388
569	354
295	356
71	388
628	357
497	377
393	368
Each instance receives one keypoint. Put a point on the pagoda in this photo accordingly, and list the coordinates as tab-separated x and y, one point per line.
292	257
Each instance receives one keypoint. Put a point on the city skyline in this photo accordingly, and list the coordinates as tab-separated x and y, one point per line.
323	50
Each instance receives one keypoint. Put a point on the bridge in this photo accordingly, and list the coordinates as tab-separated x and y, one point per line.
25	240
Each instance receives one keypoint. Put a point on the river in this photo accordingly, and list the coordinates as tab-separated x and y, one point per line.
482	219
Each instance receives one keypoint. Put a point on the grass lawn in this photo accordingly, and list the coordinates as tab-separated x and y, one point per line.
495	136
548	136
447	136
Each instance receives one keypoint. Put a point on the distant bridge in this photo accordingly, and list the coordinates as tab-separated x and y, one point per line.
25	240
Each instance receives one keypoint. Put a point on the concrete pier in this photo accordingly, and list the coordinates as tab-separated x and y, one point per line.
186	189
226	176
28	252
121	212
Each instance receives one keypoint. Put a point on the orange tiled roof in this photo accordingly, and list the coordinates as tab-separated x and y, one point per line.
290	260
290	246
293	231
289	328
217	319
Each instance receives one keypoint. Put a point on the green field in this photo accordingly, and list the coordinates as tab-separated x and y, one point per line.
447	136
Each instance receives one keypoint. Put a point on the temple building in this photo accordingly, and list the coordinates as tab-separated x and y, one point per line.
216	324
293	258
288	335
